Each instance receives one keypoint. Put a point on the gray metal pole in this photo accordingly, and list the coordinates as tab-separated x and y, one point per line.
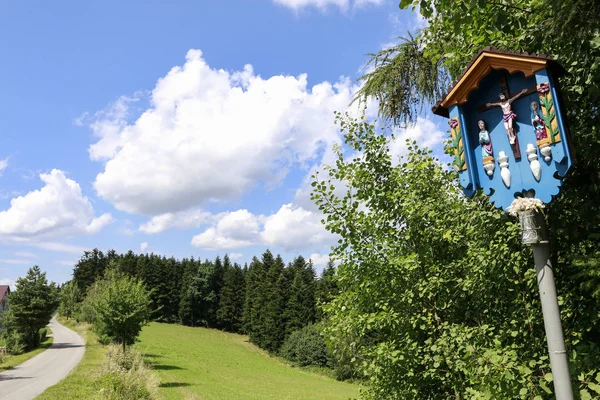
554	332
536	236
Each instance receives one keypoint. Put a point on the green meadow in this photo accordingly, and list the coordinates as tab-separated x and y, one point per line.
208	364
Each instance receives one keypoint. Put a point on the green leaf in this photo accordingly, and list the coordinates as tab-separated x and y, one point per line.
585	395
405	4
595	387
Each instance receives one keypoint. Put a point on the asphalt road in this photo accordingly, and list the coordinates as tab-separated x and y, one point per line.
31	378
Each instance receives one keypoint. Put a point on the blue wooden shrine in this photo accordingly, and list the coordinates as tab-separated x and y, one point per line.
508	130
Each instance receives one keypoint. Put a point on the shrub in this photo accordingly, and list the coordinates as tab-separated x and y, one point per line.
43	335
116	385
14	343
306	347
125	376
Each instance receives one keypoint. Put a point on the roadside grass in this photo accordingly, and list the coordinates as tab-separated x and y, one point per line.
80	383
9	362
207	364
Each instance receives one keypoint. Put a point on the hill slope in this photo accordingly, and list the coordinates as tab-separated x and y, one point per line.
207	364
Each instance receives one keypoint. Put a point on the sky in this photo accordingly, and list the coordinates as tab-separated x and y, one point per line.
183	128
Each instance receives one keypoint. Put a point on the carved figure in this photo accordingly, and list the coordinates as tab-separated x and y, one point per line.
538	122
484	140
507	113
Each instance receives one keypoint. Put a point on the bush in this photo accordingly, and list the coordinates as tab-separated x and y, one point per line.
121	386
125	376
86	311
14	343
306	347
43	335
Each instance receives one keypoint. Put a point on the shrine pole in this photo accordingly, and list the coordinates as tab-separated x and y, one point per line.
535	235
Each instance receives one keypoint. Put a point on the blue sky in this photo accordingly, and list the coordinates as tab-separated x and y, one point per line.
181	128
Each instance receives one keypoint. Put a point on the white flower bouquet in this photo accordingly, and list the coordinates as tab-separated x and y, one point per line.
525	204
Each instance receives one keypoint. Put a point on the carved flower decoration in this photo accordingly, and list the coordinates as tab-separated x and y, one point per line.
525	204
453	123
543	88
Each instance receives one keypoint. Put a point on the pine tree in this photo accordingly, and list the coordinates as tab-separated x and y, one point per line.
216	285
198	306
273	311
128	264
327	287
171	286
256	298
31	306
301	305
231	302
186	312
88	269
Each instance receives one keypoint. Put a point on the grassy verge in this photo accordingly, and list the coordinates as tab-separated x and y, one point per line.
8	361
196	363
80	382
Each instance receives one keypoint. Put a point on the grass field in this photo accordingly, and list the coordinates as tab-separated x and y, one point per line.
8	362
80	382
207	364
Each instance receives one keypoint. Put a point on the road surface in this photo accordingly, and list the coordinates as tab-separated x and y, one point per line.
31	378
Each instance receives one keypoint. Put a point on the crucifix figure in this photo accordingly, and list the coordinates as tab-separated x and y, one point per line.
508	116
507	113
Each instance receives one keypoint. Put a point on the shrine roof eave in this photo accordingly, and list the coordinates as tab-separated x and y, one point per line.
487	60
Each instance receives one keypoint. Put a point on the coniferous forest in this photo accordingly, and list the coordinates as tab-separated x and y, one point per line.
267	299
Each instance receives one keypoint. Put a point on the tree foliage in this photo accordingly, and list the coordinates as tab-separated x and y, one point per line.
306	347
403	80
122	307
301	303
231	299
438	297
267	300
31	307
69	298
568	31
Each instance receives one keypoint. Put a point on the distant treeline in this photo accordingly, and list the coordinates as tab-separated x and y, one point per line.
267	299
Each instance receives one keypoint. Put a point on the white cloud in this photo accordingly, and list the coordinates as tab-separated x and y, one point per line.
143	247
3	165
343	5
319	260
18	261
68	263
25	254
107	125
424	131
61	247
232	230
58	208
292	228
235	256
5	194
9	282
211	135
182	220
99	223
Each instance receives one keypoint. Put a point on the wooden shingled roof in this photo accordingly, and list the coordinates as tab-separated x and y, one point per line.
486	60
